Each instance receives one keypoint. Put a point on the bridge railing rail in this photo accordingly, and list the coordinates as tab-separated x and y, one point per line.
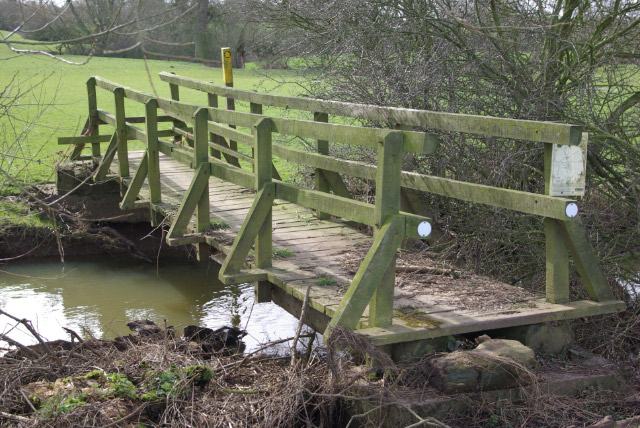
205	127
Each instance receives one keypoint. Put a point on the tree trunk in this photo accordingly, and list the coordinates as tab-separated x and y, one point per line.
200	29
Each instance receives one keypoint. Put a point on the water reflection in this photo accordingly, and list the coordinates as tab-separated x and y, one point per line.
98	296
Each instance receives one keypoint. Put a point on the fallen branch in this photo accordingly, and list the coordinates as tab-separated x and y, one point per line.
303	312
19	345
25	322
427	269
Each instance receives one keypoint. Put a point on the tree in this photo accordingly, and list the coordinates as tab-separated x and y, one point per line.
200	28
573	61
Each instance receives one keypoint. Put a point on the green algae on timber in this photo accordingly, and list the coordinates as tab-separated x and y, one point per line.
415	318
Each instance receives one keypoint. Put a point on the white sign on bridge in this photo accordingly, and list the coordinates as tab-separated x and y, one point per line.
568	169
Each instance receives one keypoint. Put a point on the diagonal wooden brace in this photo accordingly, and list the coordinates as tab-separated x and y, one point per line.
105	164
128	202
586	262
336	183
190	201
248	233
77	150
373	268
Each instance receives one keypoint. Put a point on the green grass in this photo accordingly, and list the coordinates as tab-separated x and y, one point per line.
282	253
14	212
217	224
59	100
326	281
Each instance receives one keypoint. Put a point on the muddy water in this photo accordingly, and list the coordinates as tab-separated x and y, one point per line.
100	295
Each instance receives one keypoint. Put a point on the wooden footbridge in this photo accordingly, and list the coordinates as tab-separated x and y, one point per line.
289	240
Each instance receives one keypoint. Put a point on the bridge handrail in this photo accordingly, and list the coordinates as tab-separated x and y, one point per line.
515	200
349	209
518	129
414	142
520	201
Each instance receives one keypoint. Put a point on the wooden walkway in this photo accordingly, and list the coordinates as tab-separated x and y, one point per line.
321	249
190	178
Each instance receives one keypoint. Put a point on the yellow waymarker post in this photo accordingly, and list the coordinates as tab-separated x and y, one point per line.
227	75
227	72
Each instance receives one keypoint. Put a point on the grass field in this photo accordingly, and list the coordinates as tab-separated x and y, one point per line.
58	99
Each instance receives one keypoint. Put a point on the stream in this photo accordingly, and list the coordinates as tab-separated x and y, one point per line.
99	295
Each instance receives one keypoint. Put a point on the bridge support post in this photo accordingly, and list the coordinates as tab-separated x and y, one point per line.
387	204
153	173
263	172
322	147
201	159
175	95
92	124
212	101
557	256
121	131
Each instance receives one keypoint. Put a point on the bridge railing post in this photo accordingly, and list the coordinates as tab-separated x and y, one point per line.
153	160
255	109
175	95
322	147
121	132
557	256
212	101
201	160
263	174
92	124
387	205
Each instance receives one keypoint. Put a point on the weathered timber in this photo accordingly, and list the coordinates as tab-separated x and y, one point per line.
557	256
322	147
249	231
373	267
121	130
141	119
201	159
571	310
84	139
387	206
530	203
216	147
338	206
92	125
155	193
586	262
544	132
212	101
289	275
359	212
107	159
190	201
414	142
175	95
263	173
135	185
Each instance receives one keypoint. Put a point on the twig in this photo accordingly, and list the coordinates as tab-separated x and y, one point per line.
73	334
131	415
25	322
303	312
27	400
19	345
15	418
268	345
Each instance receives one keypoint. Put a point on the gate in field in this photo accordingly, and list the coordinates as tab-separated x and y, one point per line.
205	140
